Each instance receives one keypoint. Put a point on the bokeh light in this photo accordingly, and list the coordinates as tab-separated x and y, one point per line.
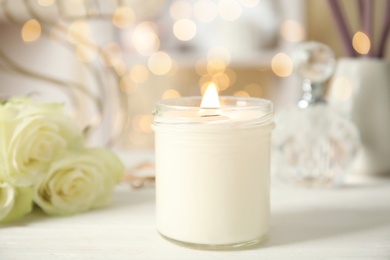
170	93
123	17
145	122
254	90
205	10
229	10
180	9
205	79
292	31
142	123
221	80
139	73
184	29
145	39
241	93
216	72
216	66
282	65
361	43
160	63
31	31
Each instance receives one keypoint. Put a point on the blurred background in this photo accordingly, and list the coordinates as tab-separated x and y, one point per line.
109	61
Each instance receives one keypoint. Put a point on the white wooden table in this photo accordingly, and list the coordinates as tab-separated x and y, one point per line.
352	222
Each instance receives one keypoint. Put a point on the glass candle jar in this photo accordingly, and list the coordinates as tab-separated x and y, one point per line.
212	171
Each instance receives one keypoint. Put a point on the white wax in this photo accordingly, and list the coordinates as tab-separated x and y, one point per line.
212	186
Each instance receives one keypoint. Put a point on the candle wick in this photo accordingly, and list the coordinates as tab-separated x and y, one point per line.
208	115
209	112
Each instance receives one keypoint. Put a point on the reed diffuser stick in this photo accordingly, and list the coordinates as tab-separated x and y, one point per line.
361	12
342	27
367	21
385	32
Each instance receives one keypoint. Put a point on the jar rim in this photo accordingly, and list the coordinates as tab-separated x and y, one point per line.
234	111
227	102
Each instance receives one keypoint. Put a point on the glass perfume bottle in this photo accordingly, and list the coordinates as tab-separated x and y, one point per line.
314	144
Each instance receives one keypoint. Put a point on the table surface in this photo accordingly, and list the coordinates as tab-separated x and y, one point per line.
352	222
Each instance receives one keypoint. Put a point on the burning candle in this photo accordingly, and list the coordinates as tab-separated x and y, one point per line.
212	170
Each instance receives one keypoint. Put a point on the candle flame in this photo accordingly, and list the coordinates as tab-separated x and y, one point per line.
210	98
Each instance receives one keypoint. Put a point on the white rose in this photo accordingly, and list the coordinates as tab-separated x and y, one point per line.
31	134
78	181
14	202
7	199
